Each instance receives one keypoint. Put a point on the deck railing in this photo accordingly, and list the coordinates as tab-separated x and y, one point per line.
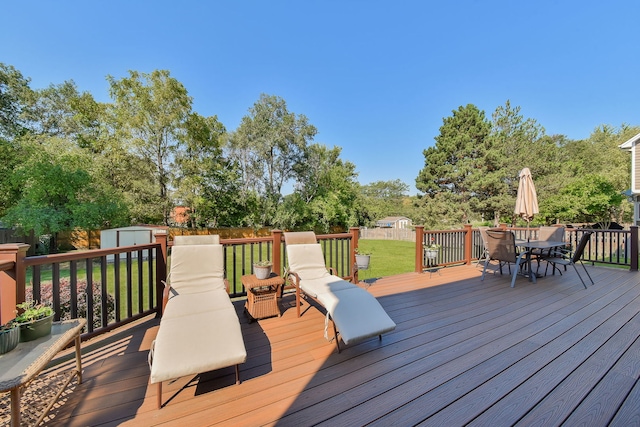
240	254
108	287
111	287
613	247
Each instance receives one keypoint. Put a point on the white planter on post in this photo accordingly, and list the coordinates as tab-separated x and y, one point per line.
362	261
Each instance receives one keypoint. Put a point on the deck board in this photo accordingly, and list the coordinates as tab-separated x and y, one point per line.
599	407
464	351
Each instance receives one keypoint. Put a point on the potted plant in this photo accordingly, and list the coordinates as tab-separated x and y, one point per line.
262	269
9	336
432	250
362	259
35	320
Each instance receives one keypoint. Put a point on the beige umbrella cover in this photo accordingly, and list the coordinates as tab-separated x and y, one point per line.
527	200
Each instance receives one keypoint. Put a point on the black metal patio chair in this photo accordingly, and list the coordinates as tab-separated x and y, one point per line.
564	257
501	246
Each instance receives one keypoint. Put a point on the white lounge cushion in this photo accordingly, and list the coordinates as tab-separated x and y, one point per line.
197	343
329	283
357	314
195	268
186	304
307	261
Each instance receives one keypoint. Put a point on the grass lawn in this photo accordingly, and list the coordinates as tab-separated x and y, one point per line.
388	257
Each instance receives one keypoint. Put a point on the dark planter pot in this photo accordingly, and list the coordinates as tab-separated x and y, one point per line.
36	329
9	339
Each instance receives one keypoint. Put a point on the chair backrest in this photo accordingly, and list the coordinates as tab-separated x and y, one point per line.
551	234
307	260
502	245
205	239
483	234
581	246
196	268
299	237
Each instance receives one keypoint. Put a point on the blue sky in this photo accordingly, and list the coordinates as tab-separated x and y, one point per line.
375	77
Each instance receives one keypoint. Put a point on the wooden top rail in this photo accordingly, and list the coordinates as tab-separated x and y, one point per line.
243	241
459	230
6	265
246	240
80	255
333	236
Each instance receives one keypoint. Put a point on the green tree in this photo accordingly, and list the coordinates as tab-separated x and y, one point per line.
16	99
515	143
453	165
440	212
580	158
267	146
325	194
590	198
58	193
62	111
384	198
205	182
150	113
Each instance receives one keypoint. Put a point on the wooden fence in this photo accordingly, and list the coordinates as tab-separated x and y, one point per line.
8	235
388	234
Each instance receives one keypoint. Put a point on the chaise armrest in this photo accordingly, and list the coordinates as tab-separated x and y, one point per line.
294	279
165	295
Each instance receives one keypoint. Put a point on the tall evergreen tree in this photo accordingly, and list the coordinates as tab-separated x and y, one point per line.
454	164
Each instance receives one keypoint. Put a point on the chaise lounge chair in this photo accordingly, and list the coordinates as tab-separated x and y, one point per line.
356	314
200	330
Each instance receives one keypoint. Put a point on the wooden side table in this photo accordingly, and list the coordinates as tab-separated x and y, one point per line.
262	295
22	364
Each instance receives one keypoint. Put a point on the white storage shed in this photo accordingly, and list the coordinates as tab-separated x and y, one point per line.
127	236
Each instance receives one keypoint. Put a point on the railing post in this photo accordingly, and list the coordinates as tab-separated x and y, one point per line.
468	243
12	282
355	234
276	251
161	268
634	247
419	247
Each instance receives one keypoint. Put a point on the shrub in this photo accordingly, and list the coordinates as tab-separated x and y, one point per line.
46	297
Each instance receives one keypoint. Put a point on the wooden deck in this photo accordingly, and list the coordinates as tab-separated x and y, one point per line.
465	351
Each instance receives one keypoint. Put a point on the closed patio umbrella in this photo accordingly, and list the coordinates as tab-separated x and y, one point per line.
527	200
